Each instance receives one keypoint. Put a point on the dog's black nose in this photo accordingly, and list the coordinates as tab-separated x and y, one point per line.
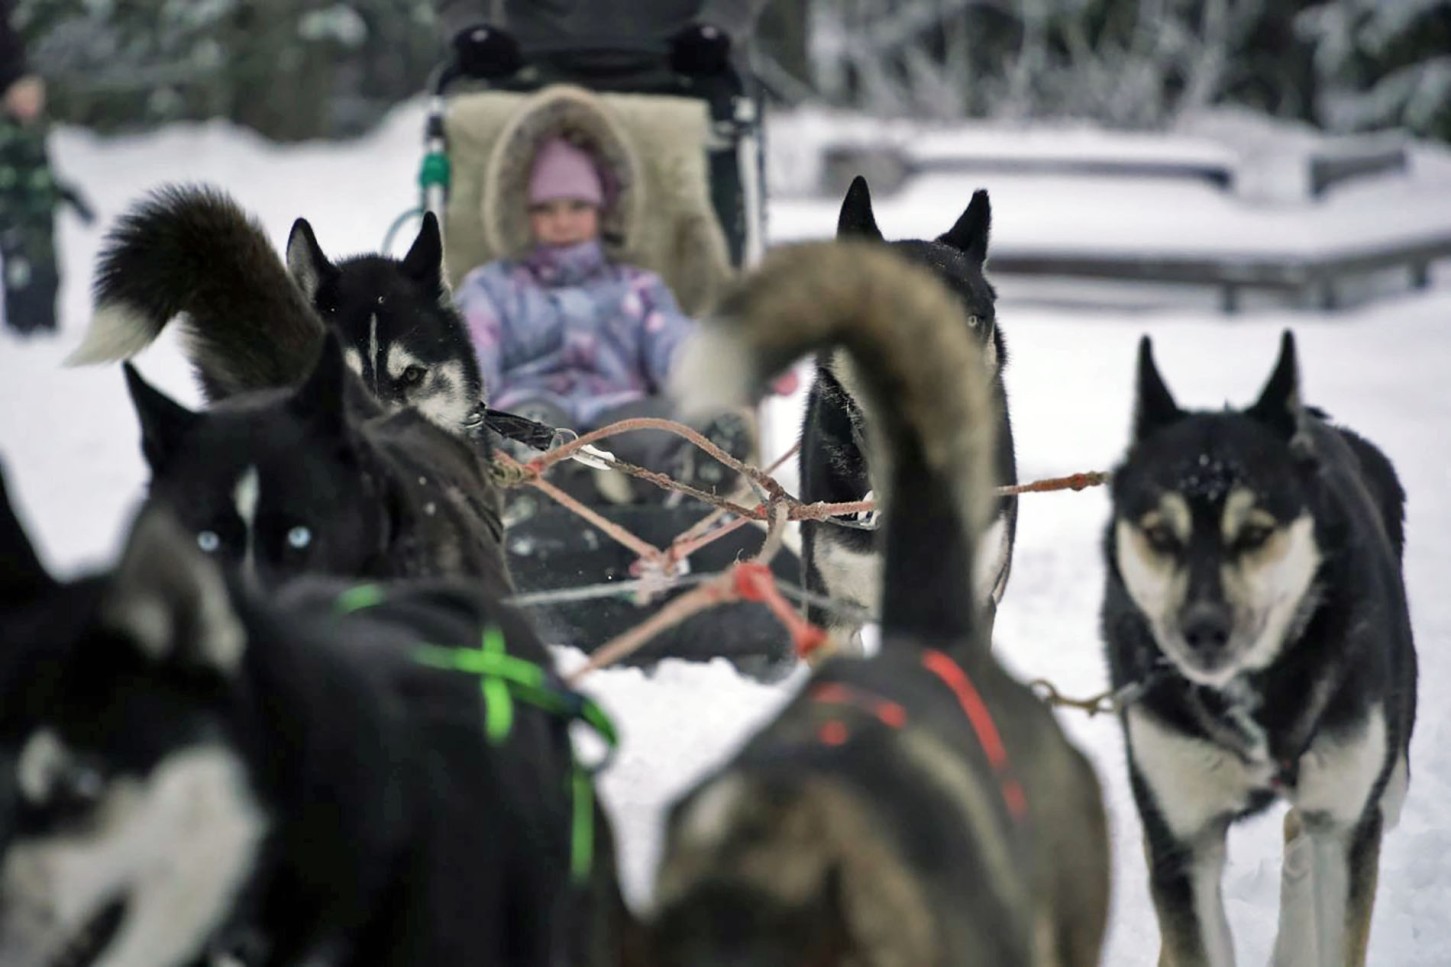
1206	627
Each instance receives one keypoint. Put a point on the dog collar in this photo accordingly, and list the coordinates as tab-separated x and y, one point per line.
1235	731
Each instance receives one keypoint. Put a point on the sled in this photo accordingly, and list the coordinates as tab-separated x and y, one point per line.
691	122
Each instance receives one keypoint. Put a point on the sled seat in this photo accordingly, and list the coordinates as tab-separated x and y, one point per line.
678	235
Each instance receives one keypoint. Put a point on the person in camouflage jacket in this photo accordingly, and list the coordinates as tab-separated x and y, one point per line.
28	192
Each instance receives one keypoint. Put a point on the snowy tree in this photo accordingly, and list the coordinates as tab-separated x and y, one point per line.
290	69
1134	63
308	68
1382	64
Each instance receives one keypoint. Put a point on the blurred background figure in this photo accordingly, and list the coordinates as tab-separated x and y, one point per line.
27	191
24	91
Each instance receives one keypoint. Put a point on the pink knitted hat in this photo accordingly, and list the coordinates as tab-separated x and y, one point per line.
563	171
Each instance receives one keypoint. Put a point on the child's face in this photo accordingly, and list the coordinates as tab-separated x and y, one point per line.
564	221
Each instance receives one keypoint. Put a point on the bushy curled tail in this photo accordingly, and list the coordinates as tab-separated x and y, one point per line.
190	251
933	417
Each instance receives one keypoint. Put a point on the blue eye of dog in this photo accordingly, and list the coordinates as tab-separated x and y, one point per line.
1252	537
208	541
413	375
299	537
76	788
972	321
83	784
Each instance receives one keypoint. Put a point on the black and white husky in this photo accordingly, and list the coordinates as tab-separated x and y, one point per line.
250	322
1255	593
192	774
319	479
837	460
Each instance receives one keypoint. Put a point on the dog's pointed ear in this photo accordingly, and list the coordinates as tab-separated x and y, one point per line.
309	267
1279	406
969	234
1154	406
22	576
169	599
424	261
164	421
856	219
321	399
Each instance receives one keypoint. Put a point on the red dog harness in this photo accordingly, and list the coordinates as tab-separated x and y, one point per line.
893	715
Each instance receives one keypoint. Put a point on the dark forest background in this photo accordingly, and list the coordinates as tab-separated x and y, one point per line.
296	69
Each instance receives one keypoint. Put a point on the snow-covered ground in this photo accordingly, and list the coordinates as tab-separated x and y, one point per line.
69	443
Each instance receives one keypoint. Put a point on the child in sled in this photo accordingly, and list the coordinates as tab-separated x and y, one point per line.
570	336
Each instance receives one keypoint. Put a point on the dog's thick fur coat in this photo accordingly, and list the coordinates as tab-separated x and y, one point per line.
919	807
318	479
1255	591
191	770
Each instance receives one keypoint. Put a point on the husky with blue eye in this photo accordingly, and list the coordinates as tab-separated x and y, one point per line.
319	479
311	457
1255	595
192	773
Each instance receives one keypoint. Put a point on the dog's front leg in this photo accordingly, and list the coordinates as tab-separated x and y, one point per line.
1327	891
1187	789
1184	879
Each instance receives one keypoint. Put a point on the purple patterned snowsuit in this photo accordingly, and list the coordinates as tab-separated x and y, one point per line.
567	327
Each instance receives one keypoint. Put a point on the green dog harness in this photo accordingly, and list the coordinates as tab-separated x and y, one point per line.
503	679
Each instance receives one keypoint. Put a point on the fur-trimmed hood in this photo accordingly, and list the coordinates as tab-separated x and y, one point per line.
653	146
579	117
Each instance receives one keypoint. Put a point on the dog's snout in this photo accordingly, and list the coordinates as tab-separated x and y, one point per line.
1206	627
